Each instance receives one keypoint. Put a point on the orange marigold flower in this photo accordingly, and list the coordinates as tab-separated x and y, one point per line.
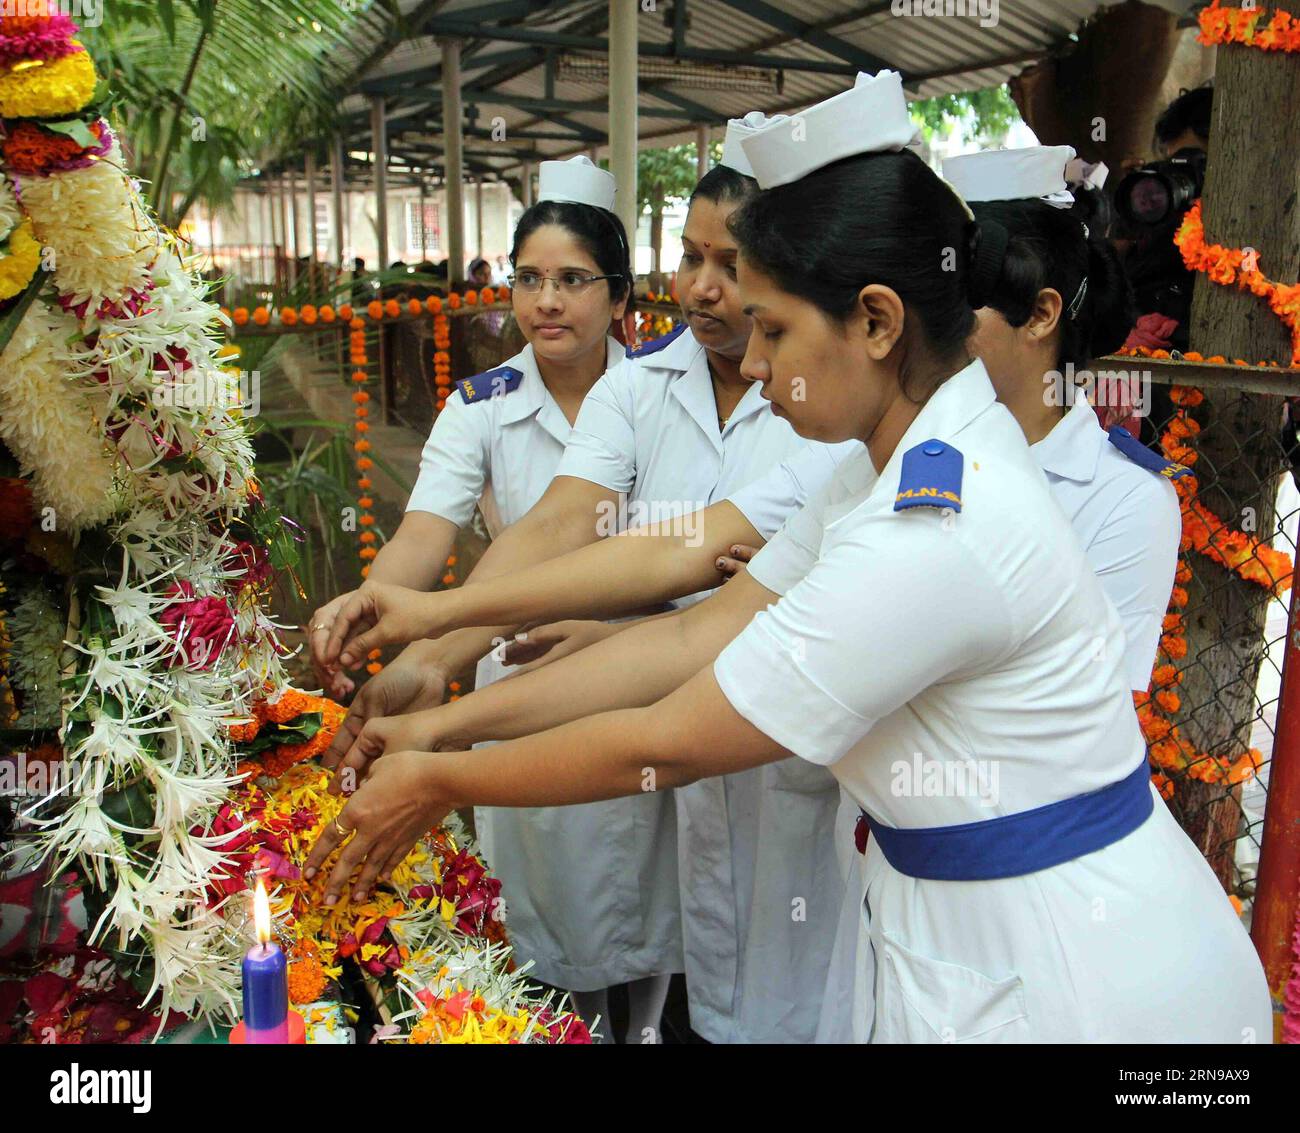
309	314
362	427
448	579
261	316
362	446
365	463
368	536
360	376
433	304
414	307
345	312
326	313
471	298
487	295
392	308
368	553
367	521
364	483
240	316
453	301
288	316
360	397
375	309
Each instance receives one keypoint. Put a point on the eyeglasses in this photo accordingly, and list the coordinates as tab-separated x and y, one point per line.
571	283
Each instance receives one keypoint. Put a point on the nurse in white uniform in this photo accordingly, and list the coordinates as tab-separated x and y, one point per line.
951	632
1060	299
590	893
673	430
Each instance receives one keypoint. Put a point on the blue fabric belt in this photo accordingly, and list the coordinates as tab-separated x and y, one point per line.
1022	843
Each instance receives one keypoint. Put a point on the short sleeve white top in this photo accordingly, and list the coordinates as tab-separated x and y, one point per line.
979	635
1128	520
498	454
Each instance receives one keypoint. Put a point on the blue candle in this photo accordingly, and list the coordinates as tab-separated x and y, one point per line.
266	982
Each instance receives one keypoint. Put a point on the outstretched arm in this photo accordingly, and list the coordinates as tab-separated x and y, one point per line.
616	576
636	667
691	734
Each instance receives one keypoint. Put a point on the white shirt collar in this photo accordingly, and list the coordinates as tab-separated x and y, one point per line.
1072	450
952	407
532	398
693	388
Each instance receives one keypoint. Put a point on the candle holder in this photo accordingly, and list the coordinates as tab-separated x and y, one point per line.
297	1031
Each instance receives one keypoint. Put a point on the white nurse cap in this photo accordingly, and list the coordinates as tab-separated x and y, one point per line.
733	155
1013	175
576	180
871	117
1080	174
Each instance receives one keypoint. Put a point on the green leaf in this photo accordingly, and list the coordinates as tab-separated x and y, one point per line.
167	14
130	806
75	129
14	315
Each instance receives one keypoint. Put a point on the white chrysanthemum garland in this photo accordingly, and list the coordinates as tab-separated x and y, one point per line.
120	367
98	225
48	423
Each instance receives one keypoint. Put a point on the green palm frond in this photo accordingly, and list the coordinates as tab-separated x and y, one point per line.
209	88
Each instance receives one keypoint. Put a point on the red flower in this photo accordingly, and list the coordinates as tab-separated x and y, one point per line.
201	627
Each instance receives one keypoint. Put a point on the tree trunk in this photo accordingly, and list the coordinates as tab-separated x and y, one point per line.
1102	96
656	236
1250	199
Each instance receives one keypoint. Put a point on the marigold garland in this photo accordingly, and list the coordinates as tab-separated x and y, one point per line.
1227	266
19	262
48	89
32	150
1220	24
1249	558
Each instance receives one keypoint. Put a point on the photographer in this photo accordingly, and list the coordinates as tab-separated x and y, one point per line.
1151	202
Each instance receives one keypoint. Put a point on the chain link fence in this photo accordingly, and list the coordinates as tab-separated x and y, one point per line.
1210	715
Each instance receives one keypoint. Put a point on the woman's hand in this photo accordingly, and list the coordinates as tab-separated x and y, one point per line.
382	735
378	614
541	645
336	684
734	563
415	681
396	806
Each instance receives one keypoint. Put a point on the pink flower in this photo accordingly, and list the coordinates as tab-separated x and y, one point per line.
201	627
251	561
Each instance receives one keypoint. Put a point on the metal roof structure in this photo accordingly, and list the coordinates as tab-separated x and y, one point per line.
534	73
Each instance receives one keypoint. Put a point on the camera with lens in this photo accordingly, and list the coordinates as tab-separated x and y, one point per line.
1154	193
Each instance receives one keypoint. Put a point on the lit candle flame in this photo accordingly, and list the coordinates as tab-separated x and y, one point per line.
262	913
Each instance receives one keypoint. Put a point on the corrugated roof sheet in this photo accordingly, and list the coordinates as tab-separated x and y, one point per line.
937	54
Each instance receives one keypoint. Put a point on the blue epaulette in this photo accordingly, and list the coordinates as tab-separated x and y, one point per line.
656	344
1139	454
492	383
931	477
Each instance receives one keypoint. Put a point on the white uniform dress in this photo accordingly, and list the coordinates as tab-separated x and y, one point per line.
956	667
1127	518
590	891
649	429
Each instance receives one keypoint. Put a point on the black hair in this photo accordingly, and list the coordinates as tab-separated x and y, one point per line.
1189	111
599	232
883	218
723	185
1048	247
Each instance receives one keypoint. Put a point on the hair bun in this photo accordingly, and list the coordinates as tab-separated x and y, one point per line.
989	251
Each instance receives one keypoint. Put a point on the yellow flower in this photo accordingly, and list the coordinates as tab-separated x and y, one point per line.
48	90
18	267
